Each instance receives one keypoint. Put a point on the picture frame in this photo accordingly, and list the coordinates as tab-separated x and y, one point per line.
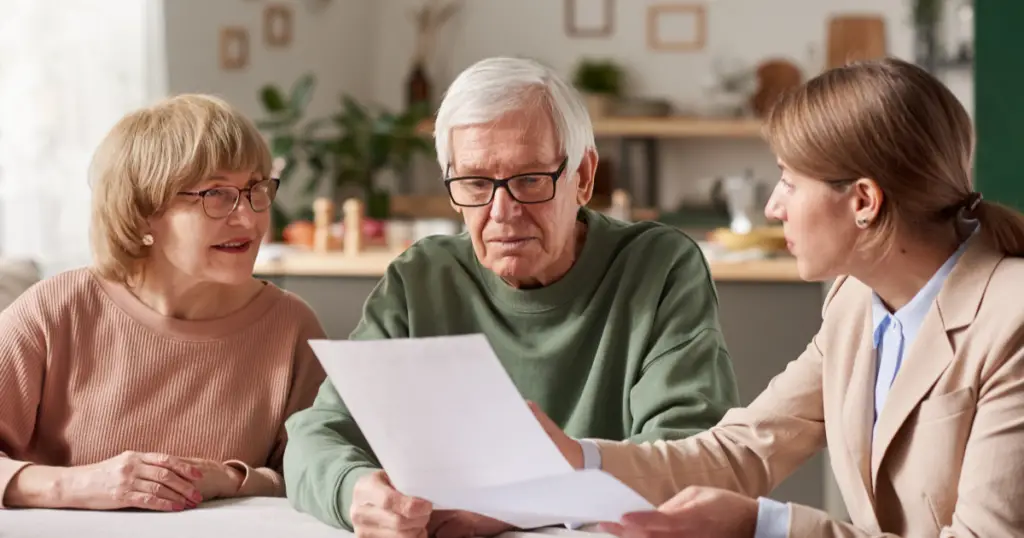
278	22
234	48
589	18
686	22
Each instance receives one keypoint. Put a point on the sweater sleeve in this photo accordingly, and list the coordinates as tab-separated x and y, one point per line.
22	370
686	383
307	375
327	453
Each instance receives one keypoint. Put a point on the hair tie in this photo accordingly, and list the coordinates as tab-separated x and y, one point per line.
972	201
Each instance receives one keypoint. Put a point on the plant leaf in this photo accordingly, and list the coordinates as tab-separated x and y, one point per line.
272	99
302	93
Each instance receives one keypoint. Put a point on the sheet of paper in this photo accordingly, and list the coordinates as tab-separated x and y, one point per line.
441	414
574	497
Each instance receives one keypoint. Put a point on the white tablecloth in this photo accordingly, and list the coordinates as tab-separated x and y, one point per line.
257	517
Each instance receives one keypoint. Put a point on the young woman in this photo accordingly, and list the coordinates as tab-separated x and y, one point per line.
915	381
161	376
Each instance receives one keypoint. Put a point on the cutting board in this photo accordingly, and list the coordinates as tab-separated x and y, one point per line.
855	37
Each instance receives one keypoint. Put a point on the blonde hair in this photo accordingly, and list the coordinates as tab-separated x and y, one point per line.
152	154
893	122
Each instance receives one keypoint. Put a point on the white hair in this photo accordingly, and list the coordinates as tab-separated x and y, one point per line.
493	87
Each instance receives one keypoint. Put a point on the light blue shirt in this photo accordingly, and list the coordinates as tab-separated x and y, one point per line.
893	334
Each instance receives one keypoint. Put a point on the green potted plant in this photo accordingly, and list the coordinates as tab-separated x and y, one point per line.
601	83
351	146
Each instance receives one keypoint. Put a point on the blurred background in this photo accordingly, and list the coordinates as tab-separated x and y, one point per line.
345	91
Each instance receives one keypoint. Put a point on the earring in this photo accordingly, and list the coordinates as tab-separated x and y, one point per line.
147	240
862	222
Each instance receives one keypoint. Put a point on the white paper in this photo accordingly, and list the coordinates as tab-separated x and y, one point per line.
449	426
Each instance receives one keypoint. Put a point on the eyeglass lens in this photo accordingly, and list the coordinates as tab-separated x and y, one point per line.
219	202
479	191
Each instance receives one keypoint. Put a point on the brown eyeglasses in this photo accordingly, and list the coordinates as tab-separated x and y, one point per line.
219	202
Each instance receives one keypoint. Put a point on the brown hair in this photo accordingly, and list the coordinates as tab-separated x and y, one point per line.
893	122
152	154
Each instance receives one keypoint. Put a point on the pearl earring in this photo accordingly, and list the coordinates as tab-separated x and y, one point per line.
147	240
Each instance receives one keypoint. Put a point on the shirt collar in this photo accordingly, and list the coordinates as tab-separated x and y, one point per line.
913	313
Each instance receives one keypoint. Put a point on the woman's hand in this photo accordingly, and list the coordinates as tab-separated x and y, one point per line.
693	513
379	511
569	447
149	481
219	480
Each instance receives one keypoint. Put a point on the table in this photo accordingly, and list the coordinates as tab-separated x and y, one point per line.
254	517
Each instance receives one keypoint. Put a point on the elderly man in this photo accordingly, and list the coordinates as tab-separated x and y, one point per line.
611	328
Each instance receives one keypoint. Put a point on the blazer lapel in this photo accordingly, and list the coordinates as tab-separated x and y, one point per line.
932	350
858	408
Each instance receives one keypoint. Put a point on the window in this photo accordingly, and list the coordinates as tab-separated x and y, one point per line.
69	69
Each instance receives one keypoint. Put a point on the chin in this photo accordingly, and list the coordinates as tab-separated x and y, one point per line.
814	272
511	267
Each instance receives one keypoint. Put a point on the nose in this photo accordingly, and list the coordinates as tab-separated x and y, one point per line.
774	208
243	215
503	207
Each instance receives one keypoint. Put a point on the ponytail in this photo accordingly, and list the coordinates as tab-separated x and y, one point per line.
1002	227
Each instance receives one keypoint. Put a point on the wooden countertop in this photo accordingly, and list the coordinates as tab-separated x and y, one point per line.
373	263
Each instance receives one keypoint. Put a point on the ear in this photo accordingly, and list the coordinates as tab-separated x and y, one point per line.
866	200
586	174
457	209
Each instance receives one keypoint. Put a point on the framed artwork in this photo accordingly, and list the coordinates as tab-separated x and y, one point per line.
589	18
234	48
676	27
277	25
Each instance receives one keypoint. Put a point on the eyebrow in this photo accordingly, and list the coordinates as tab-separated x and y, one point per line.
256	178
475	169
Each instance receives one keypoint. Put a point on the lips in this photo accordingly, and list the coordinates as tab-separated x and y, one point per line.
234	246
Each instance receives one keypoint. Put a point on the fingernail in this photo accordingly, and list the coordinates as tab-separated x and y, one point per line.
178	507
197	497
197	473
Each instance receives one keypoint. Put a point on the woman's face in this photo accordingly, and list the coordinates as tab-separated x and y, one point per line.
819	223
202	239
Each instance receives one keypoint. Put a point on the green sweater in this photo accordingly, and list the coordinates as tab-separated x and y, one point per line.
627	345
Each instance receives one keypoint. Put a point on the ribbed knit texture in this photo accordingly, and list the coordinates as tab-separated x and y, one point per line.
88	371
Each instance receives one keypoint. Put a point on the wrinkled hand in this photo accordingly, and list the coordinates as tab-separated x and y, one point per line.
568	446
218	481
459	524
150	481
380	511
693	513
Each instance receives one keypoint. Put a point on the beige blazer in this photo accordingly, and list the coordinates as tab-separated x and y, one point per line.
948	455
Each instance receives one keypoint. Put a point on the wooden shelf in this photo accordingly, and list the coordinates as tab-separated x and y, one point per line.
677	127
666	127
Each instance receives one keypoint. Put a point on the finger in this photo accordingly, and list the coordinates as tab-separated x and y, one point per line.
549	425
148	501
438	518
651	520
159	490
178	465
170	479
370	516
408	507
612	528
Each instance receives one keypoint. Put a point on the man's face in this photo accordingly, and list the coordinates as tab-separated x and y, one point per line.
528	245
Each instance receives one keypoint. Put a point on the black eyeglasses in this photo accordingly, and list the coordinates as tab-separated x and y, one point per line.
529	188
219	202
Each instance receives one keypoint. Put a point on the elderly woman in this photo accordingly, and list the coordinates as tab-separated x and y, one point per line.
915	381
610	327
160	377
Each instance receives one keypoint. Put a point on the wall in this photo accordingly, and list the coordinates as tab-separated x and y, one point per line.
329	39
749	30
1000	74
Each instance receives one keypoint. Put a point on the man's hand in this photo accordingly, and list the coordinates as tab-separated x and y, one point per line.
459	524
693	513
380	511
569	447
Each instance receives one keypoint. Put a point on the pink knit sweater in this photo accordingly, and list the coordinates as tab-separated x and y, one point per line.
88	371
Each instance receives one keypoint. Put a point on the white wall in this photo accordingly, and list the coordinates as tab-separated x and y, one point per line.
750	30
329	40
